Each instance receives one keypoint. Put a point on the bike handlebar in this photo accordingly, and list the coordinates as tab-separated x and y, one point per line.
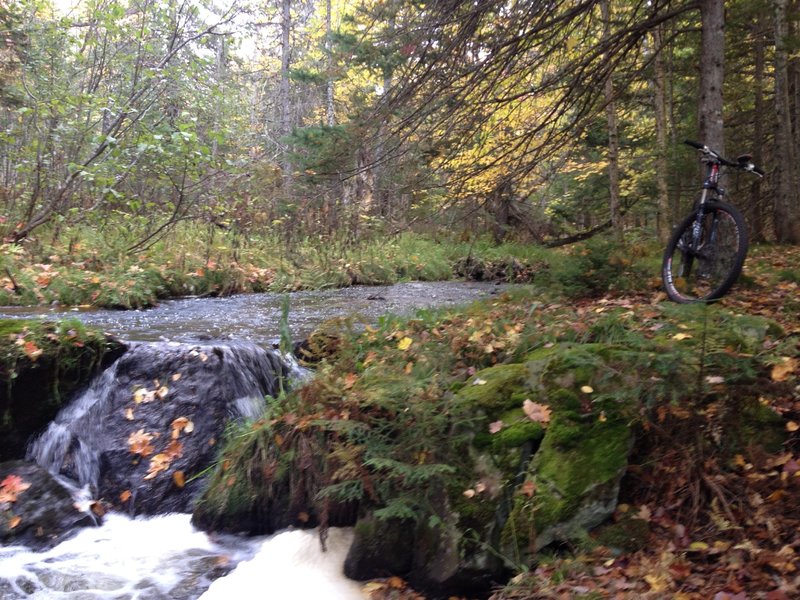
742	163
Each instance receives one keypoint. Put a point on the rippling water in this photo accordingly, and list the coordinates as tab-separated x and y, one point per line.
256	317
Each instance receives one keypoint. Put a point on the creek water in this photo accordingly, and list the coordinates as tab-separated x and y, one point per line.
164	557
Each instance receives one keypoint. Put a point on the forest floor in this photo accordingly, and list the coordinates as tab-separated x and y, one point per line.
726	529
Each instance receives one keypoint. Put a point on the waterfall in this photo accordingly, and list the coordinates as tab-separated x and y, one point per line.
107	436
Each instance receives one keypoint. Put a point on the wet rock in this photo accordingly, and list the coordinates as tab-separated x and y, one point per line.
148	428
41	365
38	512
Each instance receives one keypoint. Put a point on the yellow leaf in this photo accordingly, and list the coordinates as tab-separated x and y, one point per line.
405	343
587	389
792	426
698	546
785	369
681	336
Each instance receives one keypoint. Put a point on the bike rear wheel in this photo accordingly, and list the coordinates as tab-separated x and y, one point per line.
703	269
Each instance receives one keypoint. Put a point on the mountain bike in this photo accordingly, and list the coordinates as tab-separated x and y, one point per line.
706	252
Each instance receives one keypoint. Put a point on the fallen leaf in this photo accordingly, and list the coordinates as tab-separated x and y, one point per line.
181	424
159	463
11	487
538	413
479	381
528	488
176	376
31	350
792	426
681	336
587	389
405	343
14	521
350	380
125	496
469	493
179	479
785	369
129	414
139	443
495	426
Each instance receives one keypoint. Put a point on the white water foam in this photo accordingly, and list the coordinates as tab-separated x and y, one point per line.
292	565
166	557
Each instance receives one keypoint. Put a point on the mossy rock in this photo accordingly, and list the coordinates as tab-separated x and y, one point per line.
576	474
496	389
41	365
592	391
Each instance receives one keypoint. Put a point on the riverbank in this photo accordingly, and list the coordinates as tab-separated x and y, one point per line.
102	276
707	503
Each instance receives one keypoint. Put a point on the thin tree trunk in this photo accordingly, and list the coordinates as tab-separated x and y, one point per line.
755	212
329	108
613	135
712	72
665	216
283	91
787	226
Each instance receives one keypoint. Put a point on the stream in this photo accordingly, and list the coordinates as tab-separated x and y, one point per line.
164	557
256	317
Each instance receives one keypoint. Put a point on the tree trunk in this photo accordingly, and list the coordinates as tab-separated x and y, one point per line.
665	216
712	72
329	108
755	212
283	91
613	135
786	211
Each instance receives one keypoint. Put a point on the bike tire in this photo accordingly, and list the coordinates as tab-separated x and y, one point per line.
705	273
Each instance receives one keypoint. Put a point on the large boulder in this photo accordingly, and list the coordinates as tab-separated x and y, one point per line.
36	510
146	430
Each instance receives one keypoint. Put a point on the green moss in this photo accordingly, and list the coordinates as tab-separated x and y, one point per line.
759	426
518	430
496	389
628	534
579	463
41	364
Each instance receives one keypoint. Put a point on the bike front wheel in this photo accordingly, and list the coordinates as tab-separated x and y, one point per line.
705	254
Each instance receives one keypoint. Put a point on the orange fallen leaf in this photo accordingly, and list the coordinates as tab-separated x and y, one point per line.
11	487
785	369
139	443
125	496
159	463
14	521
538	413
179	478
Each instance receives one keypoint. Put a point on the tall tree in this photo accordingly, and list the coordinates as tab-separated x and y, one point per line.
786	205
712	74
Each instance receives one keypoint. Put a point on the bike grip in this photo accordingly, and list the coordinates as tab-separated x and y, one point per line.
697	145
758	171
